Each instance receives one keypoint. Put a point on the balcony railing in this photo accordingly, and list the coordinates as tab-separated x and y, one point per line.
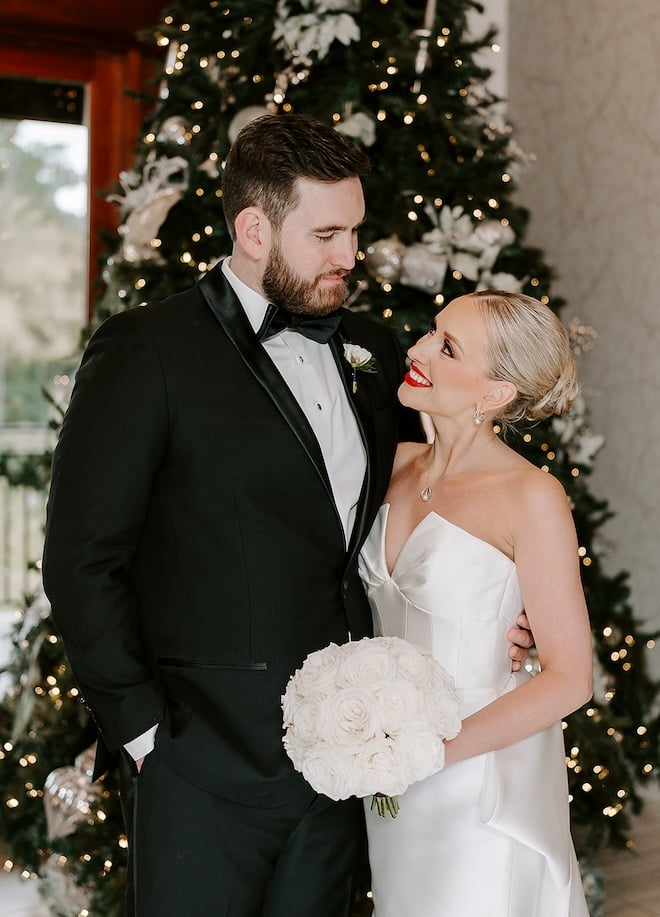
24	461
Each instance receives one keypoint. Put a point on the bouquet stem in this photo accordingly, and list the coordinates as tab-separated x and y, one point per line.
385	805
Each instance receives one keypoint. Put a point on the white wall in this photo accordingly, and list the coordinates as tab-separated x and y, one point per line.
584	96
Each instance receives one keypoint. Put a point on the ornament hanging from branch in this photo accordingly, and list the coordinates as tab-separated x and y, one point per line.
145	206
359	126
313	32
243	117
70	795
423	58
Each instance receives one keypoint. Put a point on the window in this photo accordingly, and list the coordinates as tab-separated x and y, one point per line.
43	289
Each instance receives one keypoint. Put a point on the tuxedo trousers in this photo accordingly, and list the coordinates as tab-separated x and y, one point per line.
191	852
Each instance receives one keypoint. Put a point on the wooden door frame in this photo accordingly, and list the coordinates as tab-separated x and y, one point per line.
112	116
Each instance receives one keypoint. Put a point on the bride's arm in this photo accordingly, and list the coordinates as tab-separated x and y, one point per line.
546	555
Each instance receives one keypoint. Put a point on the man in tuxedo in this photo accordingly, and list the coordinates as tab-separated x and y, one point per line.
217	471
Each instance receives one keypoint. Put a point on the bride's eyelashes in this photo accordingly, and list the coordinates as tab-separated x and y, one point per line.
446	345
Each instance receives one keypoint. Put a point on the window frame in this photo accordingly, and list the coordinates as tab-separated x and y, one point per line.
112	117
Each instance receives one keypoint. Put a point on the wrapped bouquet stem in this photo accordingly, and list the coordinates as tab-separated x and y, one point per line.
369	718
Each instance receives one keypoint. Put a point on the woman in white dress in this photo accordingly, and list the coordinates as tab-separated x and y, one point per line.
470	533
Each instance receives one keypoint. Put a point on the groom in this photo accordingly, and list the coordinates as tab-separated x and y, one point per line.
217	471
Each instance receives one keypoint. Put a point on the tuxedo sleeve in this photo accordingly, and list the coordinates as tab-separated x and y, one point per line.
110	444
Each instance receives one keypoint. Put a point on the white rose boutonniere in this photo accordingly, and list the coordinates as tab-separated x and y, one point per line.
359	358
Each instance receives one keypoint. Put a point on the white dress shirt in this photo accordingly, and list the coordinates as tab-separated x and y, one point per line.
310	371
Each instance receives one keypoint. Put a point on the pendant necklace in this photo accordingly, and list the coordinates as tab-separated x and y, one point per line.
427	491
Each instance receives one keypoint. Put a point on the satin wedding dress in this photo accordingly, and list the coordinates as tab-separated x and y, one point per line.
489	836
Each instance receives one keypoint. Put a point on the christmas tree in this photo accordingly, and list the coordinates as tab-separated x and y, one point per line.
403	82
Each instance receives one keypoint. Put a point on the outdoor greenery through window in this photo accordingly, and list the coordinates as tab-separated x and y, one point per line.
43	283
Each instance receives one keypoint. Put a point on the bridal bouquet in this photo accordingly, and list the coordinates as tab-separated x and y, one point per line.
369	718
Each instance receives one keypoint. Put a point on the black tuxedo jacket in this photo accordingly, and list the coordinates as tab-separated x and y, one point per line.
194	555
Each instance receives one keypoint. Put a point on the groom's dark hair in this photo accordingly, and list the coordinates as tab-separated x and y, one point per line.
272	152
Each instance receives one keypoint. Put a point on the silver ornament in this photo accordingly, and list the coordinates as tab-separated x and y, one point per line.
383	259
423	269
69	796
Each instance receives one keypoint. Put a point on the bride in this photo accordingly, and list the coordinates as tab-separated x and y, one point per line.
470	533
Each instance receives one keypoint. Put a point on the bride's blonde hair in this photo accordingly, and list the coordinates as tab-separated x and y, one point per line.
528	346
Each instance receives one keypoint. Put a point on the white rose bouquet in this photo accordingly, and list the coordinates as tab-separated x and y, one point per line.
369	718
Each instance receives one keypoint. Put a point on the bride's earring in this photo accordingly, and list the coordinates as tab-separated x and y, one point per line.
479	417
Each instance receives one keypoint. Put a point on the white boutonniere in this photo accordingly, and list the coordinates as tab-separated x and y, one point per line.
359	358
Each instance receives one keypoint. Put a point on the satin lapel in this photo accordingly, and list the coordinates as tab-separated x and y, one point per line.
228	311
361	406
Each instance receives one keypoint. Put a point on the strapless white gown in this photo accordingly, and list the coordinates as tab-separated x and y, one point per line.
489	836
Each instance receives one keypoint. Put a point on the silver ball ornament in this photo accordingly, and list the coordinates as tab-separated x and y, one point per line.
384	258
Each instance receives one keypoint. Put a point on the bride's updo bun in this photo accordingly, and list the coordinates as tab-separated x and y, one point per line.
528	346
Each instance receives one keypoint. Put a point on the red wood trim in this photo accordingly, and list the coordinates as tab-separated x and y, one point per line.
113	120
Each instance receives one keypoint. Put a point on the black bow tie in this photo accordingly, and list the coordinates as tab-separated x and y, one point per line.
318	328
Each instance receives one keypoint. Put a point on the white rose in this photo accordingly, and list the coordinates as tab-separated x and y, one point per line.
442	703
295	747
348	717
356	355
319	671
327	772
376	769
304	719
413	662
421	752
398	701
369	663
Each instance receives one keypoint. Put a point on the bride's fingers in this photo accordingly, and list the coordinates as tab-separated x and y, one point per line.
521	637
523	621
517	652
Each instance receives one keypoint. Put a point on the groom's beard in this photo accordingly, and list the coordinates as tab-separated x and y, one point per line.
283	287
